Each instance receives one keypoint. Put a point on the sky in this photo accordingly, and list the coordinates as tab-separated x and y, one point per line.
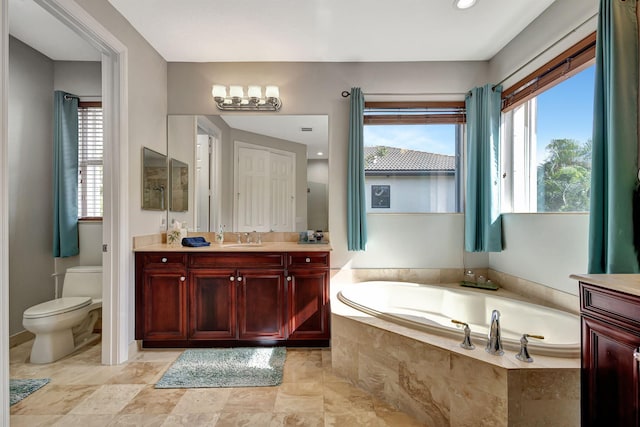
564	111
431	138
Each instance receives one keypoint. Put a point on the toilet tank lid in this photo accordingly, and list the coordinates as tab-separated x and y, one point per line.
56	306
85	269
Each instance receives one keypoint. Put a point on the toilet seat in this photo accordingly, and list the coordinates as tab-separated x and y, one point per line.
56	306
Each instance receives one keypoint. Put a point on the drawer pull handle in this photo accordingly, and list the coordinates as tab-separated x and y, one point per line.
636	354
182	279
307	260
232	278
164	260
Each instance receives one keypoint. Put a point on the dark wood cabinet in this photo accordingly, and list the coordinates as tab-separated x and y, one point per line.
212	307
610	361
261	305
232	298
309	310
162	297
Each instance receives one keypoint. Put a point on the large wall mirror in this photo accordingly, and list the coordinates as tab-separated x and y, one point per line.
251	172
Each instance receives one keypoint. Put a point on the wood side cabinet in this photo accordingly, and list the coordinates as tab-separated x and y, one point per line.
161	298
610	379
223	298
309	310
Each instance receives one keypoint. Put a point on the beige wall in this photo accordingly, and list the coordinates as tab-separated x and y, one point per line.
30	171
147	107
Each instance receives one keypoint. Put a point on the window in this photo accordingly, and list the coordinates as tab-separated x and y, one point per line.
412	159
90	152
547	127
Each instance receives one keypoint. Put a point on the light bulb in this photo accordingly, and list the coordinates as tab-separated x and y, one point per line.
254	92
272	92
236	91
464	4
219	91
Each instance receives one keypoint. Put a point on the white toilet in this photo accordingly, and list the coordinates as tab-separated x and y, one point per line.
63	325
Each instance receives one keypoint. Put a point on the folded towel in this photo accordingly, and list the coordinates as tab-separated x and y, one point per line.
195	242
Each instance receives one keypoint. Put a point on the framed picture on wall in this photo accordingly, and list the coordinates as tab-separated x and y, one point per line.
381	196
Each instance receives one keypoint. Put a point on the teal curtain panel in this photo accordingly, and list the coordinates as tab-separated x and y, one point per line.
356	201
482	217
615	140
65	175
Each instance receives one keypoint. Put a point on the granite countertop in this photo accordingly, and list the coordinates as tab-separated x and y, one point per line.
627	283
235	247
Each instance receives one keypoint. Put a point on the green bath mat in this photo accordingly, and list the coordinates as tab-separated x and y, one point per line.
226	367
19	389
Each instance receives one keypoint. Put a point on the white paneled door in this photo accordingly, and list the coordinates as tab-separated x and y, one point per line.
282	192
265	189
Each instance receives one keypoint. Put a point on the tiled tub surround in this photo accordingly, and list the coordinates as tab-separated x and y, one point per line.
433	379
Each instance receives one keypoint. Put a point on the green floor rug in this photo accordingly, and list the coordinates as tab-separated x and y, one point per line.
19	389
226	367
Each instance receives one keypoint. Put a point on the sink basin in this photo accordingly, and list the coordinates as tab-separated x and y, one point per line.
242	245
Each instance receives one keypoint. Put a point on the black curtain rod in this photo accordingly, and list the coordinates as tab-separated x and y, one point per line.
346	94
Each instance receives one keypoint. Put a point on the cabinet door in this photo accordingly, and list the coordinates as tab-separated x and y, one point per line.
212	299
610	380
308	304
261	305
165	306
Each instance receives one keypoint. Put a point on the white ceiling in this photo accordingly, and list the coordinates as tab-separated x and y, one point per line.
328	30
288	128
34	26
295	30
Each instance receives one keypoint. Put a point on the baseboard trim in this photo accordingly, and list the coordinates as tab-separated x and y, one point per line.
134	349
20	338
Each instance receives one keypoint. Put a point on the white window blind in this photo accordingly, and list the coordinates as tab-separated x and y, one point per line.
90	154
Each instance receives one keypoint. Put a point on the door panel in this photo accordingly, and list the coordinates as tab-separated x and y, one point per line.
212	304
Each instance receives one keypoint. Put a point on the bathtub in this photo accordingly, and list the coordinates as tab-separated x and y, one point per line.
431	308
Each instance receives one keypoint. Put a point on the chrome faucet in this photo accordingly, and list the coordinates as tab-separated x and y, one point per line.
494	343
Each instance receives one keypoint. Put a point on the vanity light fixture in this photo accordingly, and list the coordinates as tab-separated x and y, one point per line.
463	4
254	101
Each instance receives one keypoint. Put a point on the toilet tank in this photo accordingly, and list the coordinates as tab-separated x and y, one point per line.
83	281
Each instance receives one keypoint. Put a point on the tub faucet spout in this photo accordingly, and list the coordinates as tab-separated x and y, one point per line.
494	343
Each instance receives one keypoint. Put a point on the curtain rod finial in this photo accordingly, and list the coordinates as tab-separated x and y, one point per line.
345	94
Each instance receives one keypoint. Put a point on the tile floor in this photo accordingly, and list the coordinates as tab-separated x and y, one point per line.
82	392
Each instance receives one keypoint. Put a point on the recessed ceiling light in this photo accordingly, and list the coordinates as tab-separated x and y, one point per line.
463	4
320	153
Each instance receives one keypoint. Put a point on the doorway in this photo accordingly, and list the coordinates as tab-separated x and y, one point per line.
117	271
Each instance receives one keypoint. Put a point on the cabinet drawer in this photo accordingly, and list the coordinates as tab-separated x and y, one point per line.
237	260
308	259
154	260
602	303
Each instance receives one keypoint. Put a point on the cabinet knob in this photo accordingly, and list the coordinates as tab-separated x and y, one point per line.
636	354
182	279
239	278
288	278
307	260
232	278
164	260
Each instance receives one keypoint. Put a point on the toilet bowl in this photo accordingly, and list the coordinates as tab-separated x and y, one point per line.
63	325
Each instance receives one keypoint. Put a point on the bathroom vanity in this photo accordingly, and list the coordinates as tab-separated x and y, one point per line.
234	295
610	312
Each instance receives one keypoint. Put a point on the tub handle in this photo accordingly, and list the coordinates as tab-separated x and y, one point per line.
466	342
523	355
